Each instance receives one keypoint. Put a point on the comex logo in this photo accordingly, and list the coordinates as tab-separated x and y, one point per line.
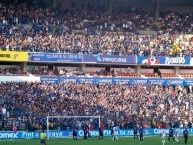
8	135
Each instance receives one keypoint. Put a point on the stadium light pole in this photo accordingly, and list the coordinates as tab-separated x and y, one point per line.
47	120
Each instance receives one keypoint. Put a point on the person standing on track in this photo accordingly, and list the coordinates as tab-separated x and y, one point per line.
100	133
85	132
177	135
135	131
171	134
74	134
141	134
185	134
43	138
163	136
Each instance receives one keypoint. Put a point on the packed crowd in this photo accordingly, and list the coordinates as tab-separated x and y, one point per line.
123	105
45	71
92	31
12	71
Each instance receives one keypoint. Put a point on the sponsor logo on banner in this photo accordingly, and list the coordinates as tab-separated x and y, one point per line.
100	81
151	60
159	60
110	59
121	81
129	132
50	79
86	80
176	82
68	80
13	56
70	134
98	58
146	131
139	81
189	82
156	81
29	135
118	60
158	131
55	134
4	135
54	57
67	134
175	60
92	133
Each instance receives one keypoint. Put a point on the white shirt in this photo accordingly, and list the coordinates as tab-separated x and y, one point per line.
4	111
177	132
163	133
114	130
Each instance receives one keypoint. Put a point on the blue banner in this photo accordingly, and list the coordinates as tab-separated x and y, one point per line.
163	60
188	82
80	133
129	81
110	59
54	57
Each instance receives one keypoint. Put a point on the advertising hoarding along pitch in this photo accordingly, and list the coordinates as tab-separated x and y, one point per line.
129	81
80	133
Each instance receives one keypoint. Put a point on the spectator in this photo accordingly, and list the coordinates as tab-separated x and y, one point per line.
34	29
116	103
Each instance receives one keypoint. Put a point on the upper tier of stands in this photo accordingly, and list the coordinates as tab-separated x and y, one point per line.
93	31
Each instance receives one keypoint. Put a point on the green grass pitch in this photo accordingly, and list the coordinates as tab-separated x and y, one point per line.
94	141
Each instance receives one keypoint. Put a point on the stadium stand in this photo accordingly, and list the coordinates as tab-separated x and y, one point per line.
27	28
147	105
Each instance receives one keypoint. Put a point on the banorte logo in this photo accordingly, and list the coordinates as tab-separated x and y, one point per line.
15	56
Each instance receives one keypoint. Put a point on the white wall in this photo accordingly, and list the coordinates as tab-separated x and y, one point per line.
162	70
69	68
19	79
185	71
93	69
66	68
167	70
146	70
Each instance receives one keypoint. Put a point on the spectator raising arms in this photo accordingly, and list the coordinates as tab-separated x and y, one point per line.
126	106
